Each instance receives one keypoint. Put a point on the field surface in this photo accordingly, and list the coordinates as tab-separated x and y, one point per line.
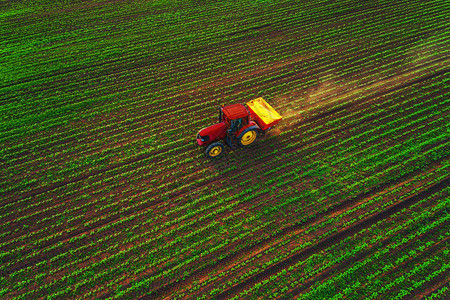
105	194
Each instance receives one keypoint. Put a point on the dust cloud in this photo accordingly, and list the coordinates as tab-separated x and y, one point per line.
333	87
294	105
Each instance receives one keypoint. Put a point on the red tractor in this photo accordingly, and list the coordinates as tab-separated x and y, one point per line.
238	126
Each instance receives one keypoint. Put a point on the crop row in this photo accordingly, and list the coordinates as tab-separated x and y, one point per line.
419	221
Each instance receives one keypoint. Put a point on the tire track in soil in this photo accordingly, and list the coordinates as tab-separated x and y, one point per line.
338	207
253	254
293	228
371	250
432	251
200	273
341	266
335	238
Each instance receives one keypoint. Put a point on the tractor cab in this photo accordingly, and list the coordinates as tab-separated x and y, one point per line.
231	119
234	116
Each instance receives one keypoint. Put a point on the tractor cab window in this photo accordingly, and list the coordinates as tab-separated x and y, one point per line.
236	125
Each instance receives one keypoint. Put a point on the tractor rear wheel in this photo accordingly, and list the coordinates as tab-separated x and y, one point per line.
247	137
214	149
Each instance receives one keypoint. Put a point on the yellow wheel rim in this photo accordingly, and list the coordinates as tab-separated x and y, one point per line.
215	151
248	138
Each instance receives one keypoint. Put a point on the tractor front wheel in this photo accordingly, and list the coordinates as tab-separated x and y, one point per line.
247	137
214	150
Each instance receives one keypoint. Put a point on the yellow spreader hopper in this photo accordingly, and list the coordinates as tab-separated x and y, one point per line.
263	113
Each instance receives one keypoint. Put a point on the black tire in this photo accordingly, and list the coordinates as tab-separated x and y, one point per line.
248	137
214	150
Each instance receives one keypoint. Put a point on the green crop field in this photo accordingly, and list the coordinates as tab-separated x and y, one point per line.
105	194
